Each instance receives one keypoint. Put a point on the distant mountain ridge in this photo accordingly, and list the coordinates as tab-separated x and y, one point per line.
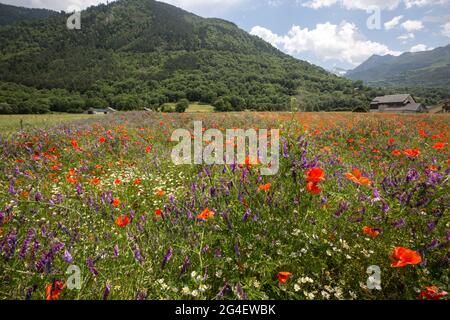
12	14
427	68
143	53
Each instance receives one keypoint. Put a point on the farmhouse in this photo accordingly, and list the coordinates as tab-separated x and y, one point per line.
398	103
100	111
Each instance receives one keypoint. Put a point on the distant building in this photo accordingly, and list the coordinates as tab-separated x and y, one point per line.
100	111
398	103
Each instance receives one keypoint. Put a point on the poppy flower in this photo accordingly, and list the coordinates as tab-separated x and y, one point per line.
396	153
115	202
432	293
403	257
137	182
439	146
371	232
160	193
117	182
315	175
265	187
148	149
102	140
313	188
95	181
122	221
206	214
412	153
53	290
158	212
74	144
283	277
356	177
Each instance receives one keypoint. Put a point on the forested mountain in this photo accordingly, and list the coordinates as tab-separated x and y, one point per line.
142	53
427	68
12	14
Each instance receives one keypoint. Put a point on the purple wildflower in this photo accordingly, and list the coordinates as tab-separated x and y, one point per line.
185	265
91	266
26	243
167	257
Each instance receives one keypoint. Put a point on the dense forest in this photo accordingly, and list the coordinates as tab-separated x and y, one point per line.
12	14
132	54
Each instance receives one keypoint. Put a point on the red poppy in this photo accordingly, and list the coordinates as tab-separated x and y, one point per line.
158	212
396	153
148	149
283	276
206	214
74	144
357	177
439	146
371	232
313	188
53	290
403	257
432	293
117	182
137	182
315	175
412	153
122	221
102	140
160	193
115	202
265	187
95	181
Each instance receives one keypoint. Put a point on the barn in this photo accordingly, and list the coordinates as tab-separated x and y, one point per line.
398	103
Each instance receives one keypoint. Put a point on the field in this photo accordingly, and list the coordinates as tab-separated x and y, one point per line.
356	195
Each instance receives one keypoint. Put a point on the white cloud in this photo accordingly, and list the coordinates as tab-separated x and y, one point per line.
446	29
422	3
366	4
419	48
393	23
407	36
412	25
327	41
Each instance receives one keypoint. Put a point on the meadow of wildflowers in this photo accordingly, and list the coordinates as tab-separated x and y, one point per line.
354	193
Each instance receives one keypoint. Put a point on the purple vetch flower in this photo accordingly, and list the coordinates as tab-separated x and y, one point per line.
30	292
137	254
225	289
38	197
205	249
79	189
167	257
141	296
35	248
399	223
434	244
8	245
91	266
376	196
412	175
26	243
106	292
247	214
11	189
47	257
67	257
285	148
434	178
343	206
217	253
385	207
185	265
236	249
241	293
116	251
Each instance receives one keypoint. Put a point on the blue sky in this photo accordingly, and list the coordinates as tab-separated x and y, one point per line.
329	33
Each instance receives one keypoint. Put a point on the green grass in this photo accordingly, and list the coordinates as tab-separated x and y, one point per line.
12	123
193	107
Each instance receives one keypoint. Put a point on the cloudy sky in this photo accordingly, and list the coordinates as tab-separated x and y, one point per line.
329	33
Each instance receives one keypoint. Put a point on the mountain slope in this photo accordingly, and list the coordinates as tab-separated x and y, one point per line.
12	14
143	53
428	68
